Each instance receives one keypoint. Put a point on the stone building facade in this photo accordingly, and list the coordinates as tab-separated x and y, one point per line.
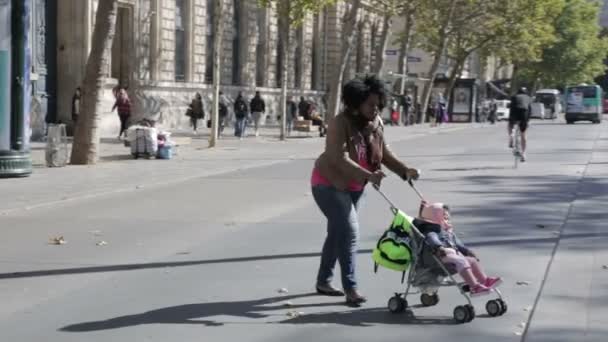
163	53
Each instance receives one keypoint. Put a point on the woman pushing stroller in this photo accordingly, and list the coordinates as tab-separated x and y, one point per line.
452	252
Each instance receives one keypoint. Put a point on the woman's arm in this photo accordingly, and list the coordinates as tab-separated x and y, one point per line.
393	163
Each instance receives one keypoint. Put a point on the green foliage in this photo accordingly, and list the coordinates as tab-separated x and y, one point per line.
297	10
576	54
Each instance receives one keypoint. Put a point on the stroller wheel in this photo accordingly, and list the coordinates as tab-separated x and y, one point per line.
494	307
471	310
461	314
397	304
429	300
503	306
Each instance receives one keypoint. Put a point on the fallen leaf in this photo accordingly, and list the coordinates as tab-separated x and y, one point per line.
288	304
523	283
522	325
57	241
292	314
555	232
282	290
102	243
541	226
517	333
528	308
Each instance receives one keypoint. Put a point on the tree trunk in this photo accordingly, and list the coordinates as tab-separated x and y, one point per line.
428	87
443	37
85	147
453	77
218	29
514	80
283	8
404	49
380	49
348	35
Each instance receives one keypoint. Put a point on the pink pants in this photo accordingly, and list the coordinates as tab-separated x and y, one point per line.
460	262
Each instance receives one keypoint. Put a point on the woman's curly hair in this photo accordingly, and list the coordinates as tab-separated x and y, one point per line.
356	91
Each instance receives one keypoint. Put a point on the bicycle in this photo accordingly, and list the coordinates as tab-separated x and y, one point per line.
516	136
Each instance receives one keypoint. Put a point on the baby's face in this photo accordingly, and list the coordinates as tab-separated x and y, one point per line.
446	215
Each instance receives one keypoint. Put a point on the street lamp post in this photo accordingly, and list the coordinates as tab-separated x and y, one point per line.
15	159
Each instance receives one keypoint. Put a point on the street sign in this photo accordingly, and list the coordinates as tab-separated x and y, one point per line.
391	52
413	59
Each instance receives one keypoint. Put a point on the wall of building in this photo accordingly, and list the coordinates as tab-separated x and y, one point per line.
151	60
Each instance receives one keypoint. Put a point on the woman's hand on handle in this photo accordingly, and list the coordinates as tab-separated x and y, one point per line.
376	178
412	174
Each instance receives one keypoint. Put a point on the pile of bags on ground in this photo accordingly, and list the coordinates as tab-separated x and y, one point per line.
148	142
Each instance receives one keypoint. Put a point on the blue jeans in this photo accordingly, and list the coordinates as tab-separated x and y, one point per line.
239	127
340	208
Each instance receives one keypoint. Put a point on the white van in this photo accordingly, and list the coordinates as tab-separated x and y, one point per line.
502	109
550	100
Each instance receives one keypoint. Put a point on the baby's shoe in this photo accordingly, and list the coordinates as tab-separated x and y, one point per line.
479	290
492	282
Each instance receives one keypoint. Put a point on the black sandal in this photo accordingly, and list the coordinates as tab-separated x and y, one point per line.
329	291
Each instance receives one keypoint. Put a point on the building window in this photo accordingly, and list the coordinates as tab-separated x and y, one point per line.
279	61
297	69
181	29
260	77
236	46
209	41
360	50
373	51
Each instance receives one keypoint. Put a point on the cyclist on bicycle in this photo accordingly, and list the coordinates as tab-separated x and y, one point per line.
519	113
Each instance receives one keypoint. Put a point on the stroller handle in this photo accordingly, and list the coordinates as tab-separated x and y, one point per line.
395	210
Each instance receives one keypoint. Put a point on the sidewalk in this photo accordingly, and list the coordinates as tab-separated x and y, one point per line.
571	305
118	172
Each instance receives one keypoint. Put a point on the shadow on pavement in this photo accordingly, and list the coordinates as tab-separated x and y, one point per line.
369	317
195	313
258	309
152	265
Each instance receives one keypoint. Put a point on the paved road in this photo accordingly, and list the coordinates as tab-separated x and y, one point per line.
201	257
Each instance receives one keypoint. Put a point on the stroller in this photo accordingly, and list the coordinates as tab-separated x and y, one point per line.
409	253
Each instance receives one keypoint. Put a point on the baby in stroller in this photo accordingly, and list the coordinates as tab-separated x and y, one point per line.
452	252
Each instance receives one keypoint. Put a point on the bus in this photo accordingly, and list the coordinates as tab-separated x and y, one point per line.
584	103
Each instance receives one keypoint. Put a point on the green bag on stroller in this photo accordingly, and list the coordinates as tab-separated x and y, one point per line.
394	248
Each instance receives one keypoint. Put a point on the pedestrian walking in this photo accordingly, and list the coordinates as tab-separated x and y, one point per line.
258	109
354	152
223	112
240	112
196	111
123	107
76	105
292	114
